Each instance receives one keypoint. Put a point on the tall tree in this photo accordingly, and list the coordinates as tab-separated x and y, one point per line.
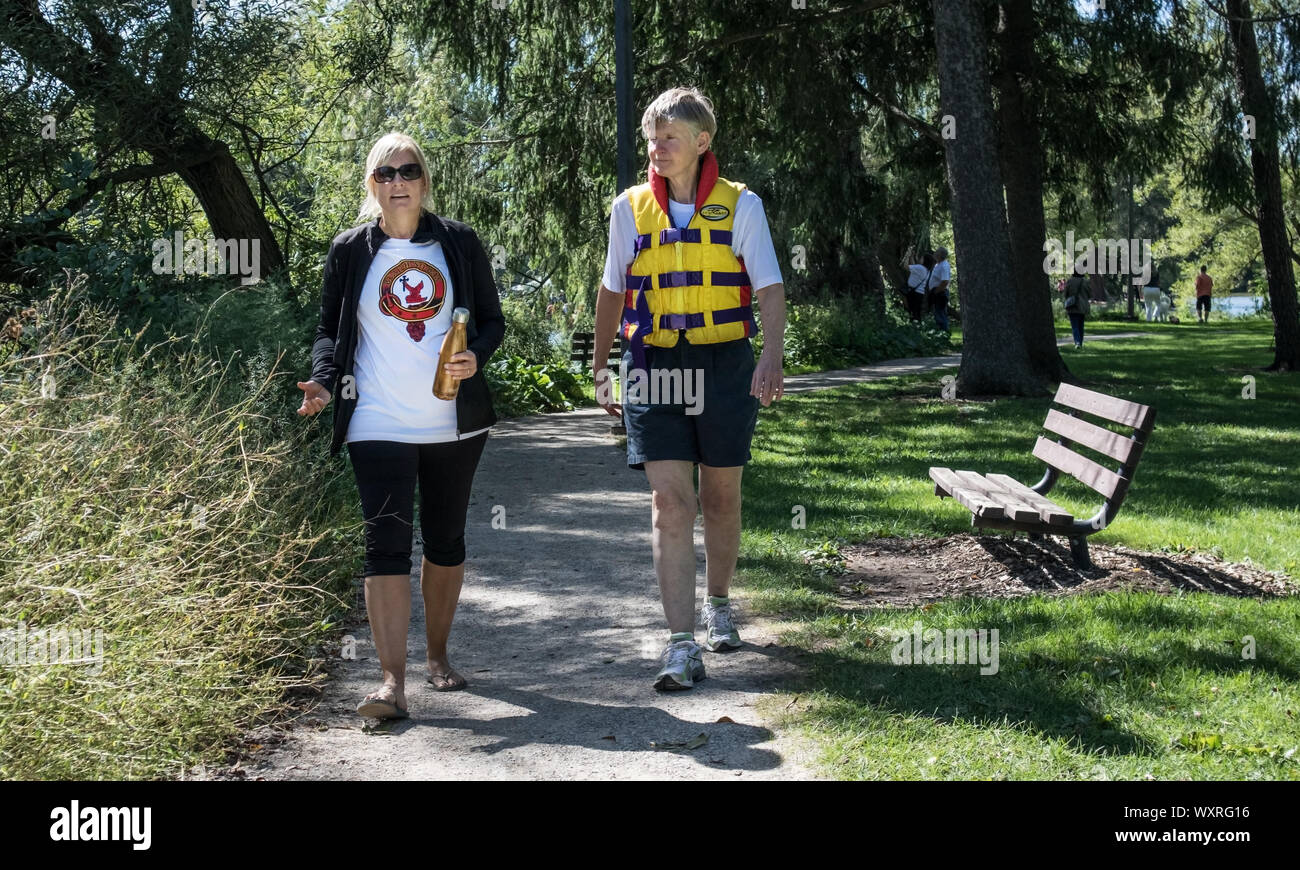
137	95
995	359
549	67
1259	104
1021	150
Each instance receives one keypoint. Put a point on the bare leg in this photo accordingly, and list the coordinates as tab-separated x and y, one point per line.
673	539
720	501
388	604
440	586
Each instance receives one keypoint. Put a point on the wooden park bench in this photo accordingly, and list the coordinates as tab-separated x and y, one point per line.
997	501
582	350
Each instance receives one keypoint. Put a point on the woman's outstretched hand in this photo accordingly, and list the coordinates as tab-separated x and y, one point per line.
315	398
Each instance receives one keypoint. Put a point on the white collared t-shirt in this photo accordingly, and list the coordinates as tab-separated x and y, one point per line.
751	240
942	272
916	277
403	313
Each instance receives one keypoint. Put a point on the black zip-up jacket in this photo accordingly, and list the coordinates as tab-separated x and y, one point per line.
473	288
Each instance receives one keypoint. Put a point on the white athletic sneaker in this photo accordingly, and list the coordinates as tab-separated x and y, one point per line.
721	632
683	665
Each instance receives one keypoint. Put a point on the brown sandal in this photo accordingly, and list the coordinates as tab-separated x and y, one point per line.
451	681
380	708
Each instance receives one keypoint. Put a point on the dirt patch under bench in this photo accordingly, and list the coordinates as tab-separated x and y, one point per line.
901	572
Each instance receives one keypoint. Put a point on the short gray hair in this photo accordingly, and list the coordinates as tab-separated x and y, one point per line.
687	105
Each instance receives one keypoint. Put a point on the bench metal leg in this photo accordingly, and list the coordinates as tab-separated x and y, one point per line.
1034	536
1079	550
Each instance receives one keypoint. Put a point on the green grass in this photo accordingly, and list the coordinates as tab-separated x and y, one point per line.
178	507
1092	686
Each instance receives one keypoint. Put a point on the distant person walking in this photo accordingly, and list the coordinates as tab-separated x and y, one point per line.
918	280
1204	284
940	277
1077	305
1151	296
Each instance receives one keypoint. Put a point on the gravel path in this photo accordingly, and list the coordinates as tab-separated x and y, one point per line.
558	632
910	366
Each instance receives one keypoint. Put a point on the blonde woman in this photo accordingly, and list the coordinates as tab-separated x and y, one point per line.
390	286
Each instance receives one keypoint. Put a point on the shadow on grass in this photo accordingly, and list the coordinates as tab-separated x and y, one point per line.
1055	572
1063	692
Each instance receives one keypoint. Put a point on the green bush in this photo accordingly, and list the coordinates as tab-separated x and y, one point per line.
527	336
834	332
520	387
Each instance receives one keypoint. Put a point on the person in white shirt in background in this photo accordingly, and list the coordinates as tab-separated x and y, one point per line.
1151	296
938	287
918	279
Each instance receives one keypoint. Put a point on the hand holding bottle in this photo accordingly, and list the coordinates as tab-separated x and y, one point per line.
453	367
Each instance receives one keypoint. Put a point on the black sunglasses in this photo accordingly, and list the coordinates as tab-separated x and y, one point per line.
409	172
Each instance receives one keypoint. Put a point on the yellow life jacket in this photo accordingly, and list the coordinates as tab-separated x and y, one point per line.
686	278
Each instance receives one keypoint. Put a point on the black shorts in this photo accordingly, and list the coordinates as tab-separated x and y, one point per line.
1203	302
712	424
386	473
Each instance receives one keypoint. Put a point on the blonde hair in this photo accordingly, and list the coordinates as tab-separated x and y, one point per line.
687	105
380	153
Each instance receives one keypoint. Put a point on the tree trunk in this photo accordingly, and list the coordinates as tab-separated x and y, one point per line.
889	253
874	284
232	210
146	115
995	360
1022	172
1264	165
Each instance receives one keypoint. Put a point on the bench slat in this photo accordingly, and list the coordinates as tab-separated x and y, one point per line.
1012	506
948	483
1037	527
1106	407
1079	467
977	503
999	488
945	480
583	347
1113	444
1049	511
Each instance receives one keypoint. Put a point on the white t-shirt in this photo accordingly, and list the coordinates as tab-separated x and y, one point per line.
750	240
916	277
942	272
397	348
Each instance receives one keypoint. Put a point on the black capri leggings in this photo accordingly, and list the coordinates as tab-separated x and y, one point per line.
386	472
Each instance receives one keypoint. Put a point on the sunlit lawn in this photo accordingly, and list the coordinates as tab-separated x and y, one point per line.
1116	685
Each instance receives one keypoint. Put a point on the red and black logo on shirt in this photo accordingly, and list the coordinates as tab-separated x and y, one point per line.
413	291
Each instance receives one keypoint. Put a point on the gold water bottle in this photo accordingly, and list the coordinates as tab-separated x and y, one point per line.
444	385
